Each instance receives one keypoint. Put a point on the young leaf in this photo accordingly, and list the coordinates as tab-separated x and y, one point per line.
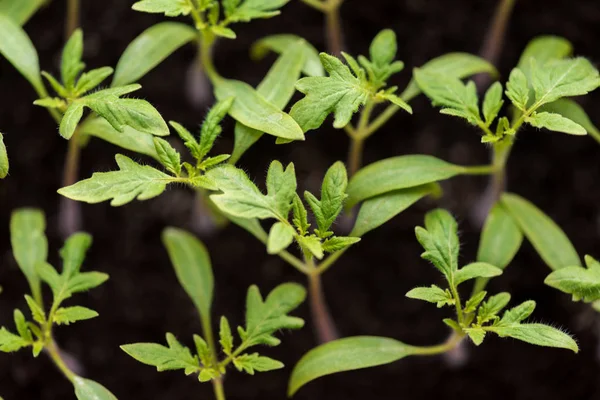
281	187
252	110
474	302
439	238
68	315
538	334
282	43
86	389
312	245
149	49
211	127
17	48
547	238
203	351
71	64
193	268
21	325
476	335
37	313
476	270
517	314
73	253
377	210
3	158
92	79
265	317
346	354
29	244
492	306
398	173
131	181
300	219
85	281
168	156
280	237
340	93
492	103
174	357
555	122
543	49
501	238
571	110
433	294
225	336
255	362
563	78
9	342
253	9
171	8
338	243
582	283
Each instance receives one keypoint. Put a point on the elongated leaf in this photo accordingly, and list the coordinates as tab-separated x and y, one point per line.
17	48
517	89
555	122
582	283
192	265
398	173
538	334
149	49
9	342
281	43
549	240
543	49
457	65
432	294
174	357
128	139
20	10
254	362
570	109
68	315
281	186
86	389
3	158
476	270
346	355
377	210
252	110
29	244
131	181
501	238
73	252
171	8
71	64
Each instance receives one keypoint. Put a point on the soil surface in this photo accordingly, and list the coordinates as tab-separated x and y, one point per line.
365	290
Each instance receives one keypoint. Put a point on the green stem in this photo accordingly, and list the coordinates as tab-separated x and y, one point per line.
72	18
70	211
54	353
218	388
453	341
206	42
357	139
457	304
478	170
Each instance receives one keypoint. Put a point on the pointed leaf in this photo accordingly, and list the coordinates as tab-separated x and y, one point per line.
280	237
476	270
71	64
281	186
20	11
171	8
86	389
68	315
440	241
555	122
255	362
492	102
168	156
433	294
582	283
211	127
338	243
9	342
174	357
538	334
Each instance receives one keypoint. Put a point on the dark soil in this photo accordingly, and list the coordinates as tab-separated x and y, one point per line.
366	289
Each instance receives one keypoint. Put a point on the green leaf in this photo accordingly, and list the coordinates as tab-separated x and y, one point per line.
20	11
37	313
253	9
168	156
282	43
280	237
340	93
476	270
73	253
518	313
70	120
433	294
265	317
459	99
188	139
582	283
211	162
149	49
456	65
225	336
538	334
563	78
3	158
474	302
555	122
439	238
68	315
501	238
476	335
131	181
492	306
240	197
333	194
50	102
86	389
252	110
17	48
29	244
255	362
300	219
21	325
171	8
547	238
312	245
281	187
174	357
346	354
92	79
71	64
398	173
543	49
383	47
9	342
573	111
492	103
193	268
203	351
211	127
129	139
377	210
85	281
338	243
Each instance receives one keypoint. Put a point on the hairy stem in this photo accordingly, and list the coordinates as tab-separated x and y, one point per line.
72	17
70	211
355	155
54	353
323	323
334	27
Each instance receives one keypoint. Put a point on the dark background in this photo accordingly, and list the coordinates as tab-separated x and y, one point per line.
365	289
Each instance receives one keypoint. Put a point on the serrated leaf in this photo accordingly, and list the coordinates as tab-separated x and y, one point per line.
50	102
21	325
85	281
37	313
333	194
538	334
211	162
573	111
17	48
73	252
68	315
3	158
432	294
281	186
175	356
193	268
312	245
555	122
253	9
71	64
492	306
377	210
517	314
86	389
338	243
300	216
168	156
149	49
492	103
474	302
280	237
476	270
171	8
188	139
211	127
439	238
131	181
346	355
250	363
582	283
203	351
281	43
29	244
225	336
547	238
9	342
340	93
265	317
70	120
91	79
476	335
398	173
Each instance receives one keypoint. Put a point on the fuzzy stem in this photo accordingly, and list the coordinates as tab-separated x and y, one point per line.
72	18
70	211
323	323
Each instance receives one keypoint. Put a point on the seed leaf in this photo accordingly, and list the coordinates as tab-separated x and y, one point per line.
282	43
86	389
20	11
582	283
